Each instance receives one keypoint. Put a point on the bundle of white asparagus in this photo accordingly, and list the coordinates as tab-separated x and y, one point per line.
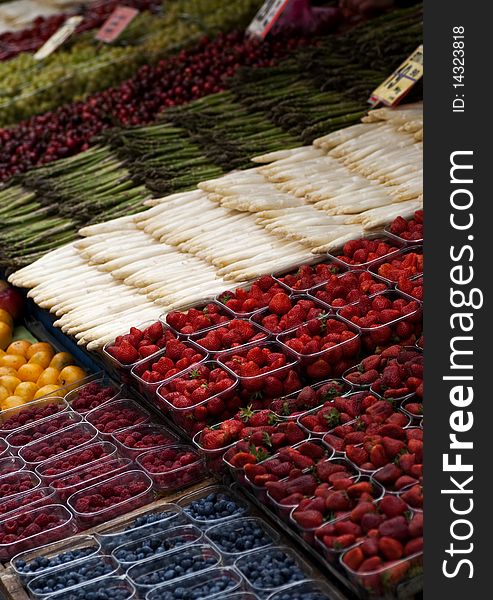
190	246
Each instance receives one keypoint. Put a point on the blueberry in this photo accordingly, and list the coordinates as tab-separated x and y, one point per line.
213	507
271	570
235	537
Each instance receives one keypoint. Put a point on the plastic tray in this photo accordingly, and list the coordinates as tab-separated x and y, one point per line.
28	479
167	517
177	537
200	558
103	382
374	236
47	447
41	429
62	550
132	452
90	519
215	354
94	417
11	464
409	250
64	527
223	579
221	310
166	481
344	276
25	501
91	589
59	405
205	522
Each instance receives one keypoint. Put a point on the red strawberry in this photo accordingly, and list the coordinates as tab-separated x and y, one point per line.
370	564
212	440
396	528
390	548
392	506
360	510
308	519
416	525
357	454
126	353
154	331
370	546
354	558
388	474
392	447
337	501
280	304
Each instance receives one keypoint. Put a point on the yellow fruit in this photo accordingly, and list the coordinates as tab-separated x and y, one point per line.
5	335
19	347
70	375
62	360
40	347
10	382
48	377
2	353
12	402
30	372
4	393
41	358
45	391
8	371
26	390
6	317
13	361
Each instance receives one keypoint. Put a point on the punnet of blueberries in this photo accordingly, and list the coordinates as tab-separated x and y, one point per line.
151	518
110	588
157	544
301	592
239	536
72	575
213	584
214	507
178	563
42	563
270	568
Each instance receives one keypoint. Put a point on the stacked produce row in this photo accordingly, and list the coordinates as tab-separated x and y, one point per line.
200	140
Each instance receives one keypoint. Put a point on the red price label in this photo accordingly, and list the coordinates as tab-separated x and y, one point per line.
116	23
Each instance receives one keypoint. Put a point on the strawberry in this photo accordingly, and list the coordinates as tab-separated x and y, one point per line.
337	501
396	528
416	525
320	369
378	456
360	510
392	506
370	564
212	440
390	548
125	353
370	546
280	304
413	496
370	521
392	447
308	519
154	331
354	558
387	474
356	454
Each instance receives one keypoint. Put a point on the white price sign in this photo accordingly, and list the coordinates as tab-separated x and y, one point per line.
57	39
266	17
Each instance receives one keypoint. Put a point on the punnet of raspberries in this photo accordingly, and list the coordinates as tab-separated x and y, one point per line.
246	302
91	396
363	252
57	443
204	393
15	483
139	343
143	437
405	265
326	346
409	230
32	523
348	288
232	334
116	415
77	458
176	357
308	398
26	501
11	464
285	312
308	276
30	414
195	320
41	429
173	467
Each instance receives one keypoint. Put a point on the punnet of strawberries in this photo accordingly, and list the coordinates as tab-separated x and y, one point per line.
116	415
411	287
340	410
195	320
289	462
200	396
405	265
57	443
308	276
175	358
413	496
308	398
72	460
407	467
413	407
91	396
27	415
348	288
244	302
380	561
139	343
233	334
326	346
363	252
396	372
408	229
265	372
287	493
285	312
173	467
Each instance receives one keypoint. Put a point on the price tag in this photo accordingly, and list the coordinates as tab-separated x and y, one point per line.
266	17
393	89
60	36
116	23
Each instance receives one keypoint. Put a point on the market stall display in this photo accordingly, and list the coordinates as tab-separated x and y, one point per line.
236	242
